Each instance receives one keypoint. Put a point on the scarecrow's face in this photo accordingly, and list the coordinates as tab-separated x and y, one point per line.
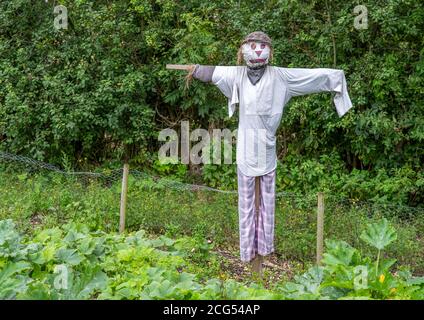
255	53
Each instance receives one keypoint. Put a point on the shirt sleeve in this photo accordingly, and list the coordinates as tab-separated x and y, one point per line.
302	81
203	73
225	79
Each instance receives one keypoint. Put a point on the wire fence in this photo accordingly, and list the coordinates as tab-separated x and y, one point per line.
167	206
109	177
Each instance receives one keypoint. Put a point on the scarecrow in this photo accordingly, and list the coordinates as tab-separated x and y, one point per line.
262	91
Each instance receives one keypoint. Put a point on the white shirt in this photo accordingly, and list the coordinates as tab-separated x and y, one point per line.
261	106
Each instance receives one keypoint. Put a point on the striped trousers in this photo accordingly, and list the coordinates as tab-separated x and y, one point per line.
256	233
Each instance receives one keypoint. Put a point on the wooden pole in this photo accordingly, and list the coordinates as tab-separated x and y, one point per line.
179	66
320	227
257	261
123	197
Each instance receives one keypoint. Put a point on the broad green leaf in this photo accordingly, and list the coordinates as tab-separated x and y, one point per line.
97	282
11	283
379	234
338	252
35	291
69	256
306	286
10	240
13	268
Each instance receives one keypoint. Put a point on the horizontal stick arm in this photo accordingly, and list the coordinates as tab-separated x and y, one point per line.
186	67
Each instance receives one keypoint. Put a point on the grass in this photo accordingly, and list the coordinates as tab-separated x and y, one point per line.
47	200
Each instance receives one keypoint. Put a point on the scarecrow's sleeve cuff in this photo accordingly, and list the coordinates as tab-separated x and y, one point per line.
203	73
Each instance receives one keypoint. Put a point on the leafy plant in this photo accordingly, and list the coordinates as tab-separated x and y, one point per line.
88	265
347	275
379	235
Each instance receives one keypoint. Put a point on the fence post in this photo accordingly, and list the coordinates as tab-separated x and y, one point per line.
123	197
320	227
257	261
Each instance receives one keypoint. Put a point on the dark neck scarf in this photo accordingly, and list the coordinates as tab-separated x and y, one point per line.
255	74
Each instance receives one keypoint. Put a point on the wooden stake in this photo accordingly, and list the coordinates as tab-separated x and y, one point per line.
186	67
320	227
123	197
257	261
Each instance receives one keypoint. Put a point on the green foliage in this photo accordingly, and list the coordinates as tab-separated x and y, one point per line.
99	90
73	263
39	201
220	176
9	239
327	173
11	282
138	266
77	264
339	253
306	286
379	235
78	91
347	275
